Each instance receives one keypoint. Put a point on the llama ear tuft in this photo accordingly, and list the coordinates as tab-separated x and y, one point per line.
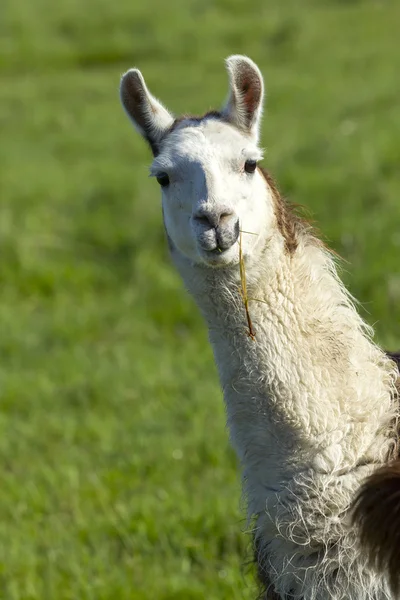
245	102
151	119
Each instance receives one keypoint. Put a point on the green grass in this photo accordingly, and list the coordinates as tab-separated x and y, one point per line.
117	477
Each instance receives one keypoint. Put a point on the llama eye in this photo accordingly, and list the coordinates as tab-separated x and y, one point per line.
250	166
163	179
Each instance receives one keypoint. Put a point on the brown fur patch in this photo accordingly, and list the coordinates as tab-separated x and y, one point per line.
290	224
377	514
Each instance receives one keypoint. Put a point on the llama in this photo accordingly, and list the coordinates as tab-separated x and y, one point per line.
311	401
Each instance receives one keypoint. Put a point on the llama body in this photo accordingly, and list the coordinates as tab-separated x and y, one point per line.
300	426
310	400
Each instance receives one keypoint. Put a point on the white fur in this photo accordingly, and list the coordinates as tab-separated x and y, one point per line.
310	400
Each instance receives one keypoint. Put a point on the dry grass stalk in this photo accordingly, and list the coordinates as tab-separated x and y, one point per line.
251	333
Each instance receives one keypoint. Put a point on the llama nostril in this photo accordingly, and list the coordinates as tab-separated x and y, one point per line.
225	218
207	218
203	219
227	233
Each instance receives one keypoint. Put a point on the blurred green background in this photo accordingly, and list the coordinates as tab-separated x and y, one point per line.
117	478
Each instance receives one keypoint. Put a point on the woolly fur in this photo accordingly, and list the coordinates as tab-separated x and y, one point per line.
310	411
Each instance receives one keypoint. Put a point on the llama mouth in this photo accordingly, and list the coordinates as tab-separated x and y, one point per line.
218	256
218	250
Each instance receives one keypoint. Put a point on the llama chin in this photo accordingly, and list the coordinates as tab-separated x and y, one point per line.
311	401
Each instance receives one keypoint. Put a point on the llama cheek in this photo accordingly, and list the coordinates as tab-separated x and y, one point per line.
177	225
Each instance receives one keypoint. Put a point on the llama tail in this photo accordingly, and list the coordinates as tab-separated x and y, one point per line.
377	515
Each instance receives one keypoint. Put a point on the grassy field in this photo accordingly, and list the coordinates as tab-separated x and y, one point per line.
117	477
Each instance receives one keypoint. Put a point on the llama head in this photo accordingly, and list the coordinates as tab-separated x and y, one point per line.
207	167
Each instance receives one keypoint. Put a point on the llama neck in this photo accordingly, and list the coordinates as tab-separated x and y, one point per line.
311	391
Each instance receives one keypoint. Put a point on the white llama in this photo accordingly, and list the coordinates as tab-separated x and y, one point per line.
311	401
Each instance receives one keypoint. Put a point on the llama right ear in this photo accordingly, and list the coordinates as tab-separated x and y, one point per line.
246	94
151	119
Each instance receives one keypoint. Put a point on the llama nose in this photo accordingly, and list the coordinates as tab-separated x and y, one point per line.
213	217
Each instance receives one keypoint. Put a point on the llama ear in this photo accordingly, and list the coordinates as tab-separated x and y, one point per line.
151	119
245	102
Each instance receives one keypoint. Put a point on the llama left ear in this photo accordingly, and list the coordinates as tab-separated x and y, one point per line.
150	118
245	102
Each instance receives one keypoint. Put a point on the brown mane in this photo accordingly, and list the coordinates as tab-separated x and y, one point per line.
290	223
